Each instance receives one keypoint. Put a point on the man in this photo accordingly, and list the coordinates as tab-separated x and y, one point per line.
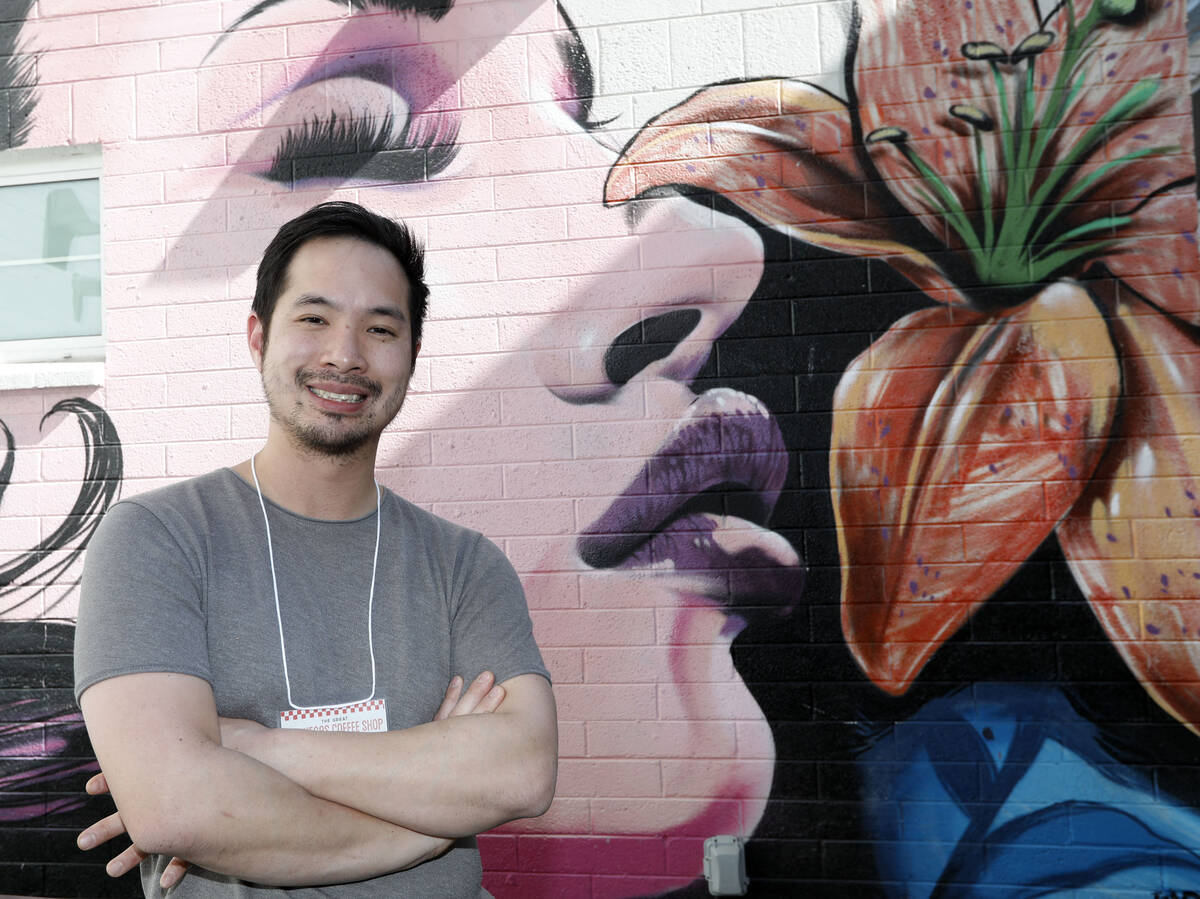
220	614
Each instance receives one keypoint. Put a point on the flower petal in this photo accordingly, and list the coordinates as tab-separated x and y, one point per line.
1160	260
1151	49
782	150
958	443
1138	48
909	70
1133	539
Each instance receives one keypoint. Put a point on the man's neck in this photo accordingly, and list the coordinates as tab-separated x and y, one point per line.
313	484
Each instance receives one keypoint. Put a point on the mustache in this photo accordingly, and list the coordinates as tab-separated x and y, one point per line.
373	388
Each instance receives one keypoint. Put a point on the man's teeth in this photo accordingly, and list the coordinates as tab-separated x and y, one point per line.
338	397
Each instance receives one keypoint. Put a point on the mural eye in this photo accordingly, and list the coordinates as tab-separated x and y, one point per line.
358	143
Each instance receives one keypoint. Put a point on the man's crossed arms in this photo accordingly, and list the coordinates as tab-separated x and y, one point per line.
296	807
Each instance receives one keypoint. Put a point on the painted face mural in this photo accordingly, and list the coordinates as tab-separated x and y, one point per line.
824	419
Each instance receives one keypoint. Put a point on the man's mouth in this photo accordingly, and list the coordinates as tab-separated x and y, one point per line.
700	505
337	397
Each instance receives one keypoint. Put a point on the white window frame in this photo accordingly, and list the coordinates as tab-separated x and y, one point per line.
54	361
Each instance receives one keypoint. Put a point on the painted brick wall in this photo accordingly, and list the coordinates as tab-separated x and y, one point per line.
843	425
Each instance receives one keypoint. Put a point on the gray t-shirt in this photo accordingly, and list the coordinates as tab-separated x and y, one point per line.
179	580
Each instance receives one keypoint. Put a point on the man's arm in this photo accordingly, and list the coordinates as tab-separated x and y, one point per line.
453	777
180	792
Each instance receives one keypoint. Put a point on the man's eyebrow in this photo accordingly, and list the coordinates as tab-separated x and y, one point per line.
387	309
433	9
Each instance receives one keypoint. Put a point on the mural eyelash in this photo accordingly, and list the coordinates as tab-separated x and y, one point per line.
578	66
365	147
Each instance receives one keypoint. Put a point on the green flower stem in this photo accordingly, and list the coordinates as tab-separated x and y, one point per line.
1017	196
1044	268
949	203
1005	124
1084	184
1124	108
985	193
1108	223
1032	211
1062	97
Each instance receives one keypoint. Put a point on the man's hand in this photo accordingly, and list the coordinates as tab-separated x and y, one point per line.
112	826
482	697
250	738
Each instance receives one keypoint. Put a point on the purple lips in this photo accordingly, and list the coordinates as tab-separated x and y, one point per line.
671	517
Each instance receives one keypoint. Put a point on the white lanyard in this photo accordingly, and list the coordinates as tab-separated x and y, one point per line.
275	588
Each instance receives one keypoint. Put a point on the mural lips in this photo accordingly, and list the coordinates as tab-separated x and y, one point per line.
700	504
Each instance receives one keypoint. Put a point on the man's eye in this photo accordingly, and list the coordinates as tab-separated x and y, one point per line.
313	320
379	329
366	147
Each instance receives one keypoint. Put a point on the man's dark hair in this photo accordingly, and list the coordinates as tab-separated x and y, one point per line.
338	218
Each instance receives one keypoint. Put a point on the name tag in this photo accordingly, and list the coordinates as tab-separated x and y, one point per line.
368	717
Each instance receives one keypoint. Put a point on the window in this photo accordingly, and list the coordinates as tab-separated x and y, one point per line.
51	322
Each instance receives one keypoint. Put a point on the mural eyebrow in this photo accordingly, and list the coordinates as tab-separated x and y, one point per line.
433	9
18	77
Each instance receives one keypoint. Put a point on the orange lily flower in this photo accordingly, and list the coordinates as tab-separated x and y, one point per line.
1033	174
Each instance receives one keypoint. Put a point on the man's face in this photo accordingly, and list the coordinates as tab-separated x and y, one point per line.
336	364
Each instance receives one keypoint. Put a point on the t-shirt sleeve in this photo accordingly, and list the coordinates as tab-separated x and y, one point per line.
490	629
141	601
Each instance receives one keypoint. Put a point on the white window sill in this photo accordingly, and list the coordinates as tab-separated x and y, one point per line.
33	375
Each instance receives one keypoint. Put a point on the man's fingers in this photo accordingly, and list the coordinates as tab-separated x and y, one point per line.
101	832
125	862
174	872
96	785
475	693
491	701
453	691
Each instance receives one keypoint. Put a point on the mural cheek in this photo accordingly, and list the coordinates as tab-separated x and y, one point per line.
703	689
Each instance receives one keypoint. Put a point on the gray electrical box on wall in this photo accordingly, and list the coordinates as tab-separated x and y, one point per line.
725	866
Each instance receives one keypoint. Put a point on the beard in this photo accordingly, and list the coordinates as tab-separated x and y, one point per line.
333	436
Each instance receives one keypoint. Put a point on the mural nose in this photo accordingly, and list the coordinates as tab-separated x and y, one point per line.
656	308
650	340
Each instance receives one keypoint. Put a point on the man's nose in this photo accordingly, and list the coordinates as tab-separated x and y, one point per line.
658	308
342	349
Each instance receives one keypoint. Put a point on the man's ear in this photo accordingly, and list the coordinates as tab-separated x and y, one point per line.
256	339
416	353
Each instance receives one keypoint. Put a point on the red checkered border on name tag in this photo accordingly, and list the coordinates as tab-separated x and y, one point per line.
372	705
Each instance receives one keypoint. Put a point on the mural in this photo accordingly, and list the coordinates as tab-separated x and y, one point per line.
844	434
44	754
46	563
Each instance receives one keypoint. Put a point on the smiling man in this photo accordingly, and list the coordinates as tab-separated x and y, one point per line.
263	652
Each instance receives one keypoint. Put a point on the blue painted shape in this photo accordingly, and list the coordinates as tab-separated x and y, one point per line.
1004	790
1031	855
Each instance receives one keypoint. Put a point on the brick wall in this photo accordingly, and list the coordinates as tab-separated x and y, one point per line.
843	425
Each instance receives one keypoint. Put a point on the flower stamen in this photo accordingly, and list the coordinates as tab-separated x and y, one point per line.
984	50
888	134
1116	10
973	116
1036	43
